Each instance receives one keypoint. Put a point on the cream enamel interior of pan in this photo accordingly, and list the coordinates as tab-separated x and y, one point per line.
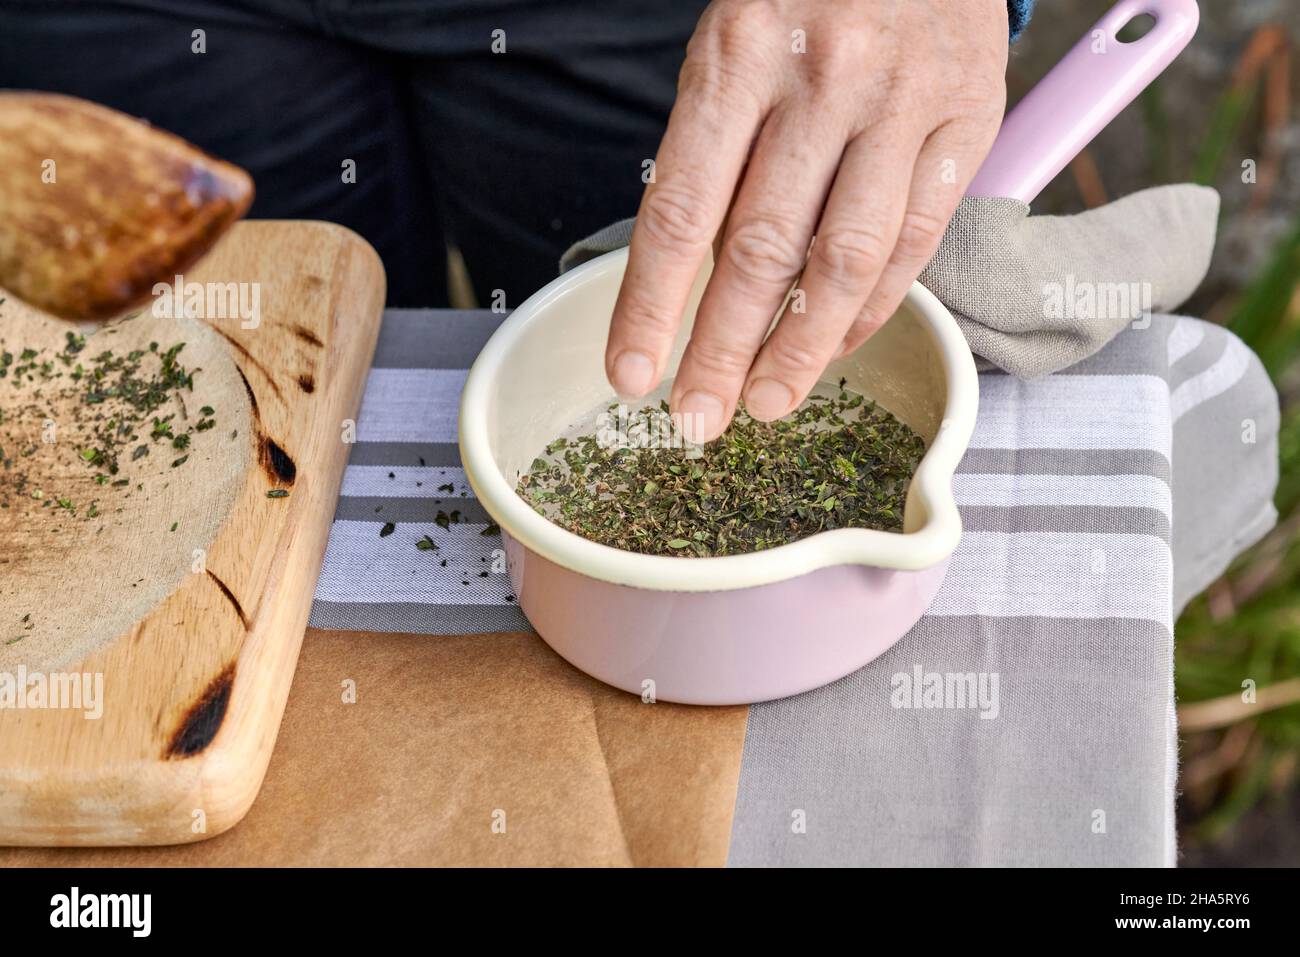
543	374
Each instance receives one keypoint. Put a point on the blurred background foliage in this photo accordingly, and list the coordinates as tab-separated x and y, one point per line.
1228	99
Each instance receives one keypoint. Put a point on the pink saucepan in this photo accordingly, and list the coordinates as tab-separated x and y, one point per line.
746	628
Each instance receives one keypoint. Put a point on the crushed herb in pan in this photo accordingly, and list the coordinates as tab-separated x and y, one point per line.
838	461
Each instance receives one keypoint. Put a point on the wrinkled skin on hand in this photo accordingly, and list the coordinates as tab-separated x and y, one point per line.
859	122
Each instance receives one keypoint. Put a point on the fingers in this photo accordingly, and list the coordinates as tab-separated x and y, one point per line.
878	218
945	165
763	250
854	238
699	162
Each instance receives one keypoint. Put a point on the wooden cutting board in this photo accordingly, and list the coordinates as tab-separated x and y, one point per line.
194	688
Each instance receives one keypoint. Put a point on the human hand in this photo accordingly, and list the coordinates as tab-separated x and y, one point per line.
867	140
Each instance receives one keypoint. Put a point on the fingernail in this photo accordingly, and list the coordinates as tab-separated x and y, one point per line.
768	399
701	416
634	373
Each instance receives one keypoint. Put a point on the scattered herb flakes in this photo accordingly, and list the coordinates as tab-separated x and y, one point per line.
388	529
426	544
492	528
838	461
175	525
110	406
278	493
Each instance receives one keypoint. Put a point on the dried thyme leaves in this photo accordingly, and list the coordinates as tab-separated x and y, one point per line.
26	625
113	407
457	559
838	461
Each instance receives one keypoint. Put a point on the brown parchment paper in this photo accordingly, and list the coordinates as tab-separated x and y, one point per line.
451	734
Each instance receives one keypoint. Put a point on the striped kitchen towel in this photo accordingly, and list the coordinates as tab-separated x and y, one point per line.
1095	503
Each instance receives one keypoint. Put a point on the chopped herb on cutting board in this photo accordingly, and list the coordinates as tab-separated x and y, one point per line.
112	407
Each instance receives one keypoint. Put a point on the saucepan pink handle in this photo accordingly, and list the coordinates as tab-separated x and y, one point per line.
1098	77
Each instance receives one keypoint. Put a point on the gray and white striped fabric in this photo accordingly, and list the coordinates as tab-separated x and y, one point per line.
405	450
1095	501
